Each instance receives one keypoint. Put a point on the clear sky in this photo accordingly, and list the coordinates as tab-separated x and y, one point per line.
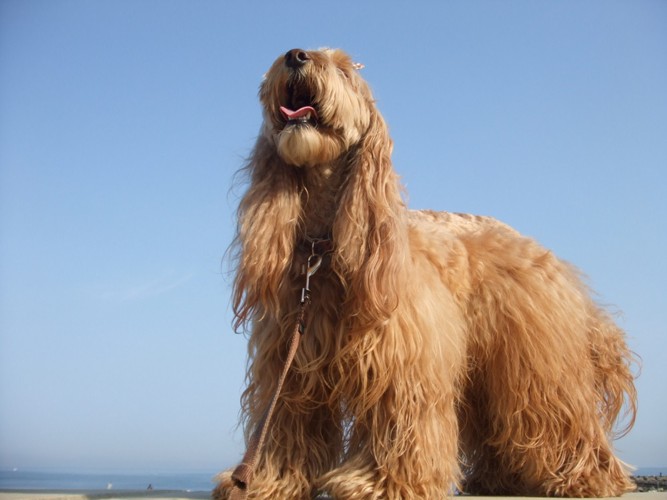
122	124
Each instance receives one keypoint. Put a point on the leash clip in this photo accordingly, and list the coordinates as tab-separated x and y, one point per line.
314	263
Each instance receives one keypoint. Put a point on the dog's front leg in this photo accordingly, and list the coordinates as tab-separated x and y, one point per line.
402	449
301	444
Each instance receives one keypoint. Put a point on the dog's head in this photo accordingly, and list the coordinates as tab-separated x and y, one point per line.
316	106
319	112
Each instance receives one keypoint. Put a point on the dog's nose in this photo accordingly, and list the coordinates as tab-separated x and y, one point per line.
296	58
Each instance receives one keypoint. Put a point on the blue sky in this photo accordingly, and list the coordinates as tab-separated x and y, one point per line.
122	124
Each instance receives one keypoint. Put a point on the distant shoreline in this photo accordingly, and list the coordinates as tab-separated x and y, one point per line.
649	486
651	483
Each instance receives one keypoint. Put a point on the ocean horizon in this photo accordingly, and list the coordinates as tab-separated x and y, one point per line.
35	479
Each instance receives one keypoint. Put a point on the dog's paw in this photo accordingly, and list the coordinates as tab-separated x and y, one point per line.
349	484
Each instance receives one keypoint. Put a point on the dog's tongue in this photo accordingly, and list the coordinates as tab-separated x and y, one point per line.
290	114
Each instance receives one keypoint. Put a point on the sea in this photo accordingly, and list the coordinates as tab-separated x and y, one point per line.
17	479
180	481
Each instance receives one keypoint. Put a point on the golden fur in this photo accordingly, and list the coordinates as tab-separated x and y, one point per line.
440	349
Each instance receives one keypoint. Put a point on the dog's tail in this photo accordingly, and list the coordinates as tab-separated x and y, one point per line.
614	378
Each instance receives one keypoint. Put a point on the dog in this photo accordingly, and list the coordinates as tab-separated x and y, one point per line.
440	351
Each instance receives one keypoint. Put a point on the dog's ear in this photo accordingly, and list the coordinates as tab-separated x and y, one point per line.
369	230
267	220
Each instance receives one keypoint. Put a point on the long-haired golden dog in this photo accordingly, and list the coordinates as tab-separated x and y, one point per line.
440	350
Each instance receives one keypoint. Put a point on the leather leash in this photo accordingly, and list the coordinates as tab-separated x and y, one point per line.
245	471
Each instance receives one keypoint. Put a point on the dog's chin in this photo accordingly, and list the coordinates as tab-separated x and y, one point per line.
303	145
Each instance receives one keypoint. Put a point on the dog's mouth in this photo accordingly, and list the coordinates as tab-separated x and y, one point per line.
304	114
299	107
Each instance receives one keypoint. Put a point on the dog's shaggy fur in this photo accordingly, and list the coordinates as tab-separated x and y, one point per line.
441	350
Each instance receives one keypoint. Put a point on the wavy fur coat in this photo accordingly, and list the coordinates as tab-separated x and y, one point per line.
441	350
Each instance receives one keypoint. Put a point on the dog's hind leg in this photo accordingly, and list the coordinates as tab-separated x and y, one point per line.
548	376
